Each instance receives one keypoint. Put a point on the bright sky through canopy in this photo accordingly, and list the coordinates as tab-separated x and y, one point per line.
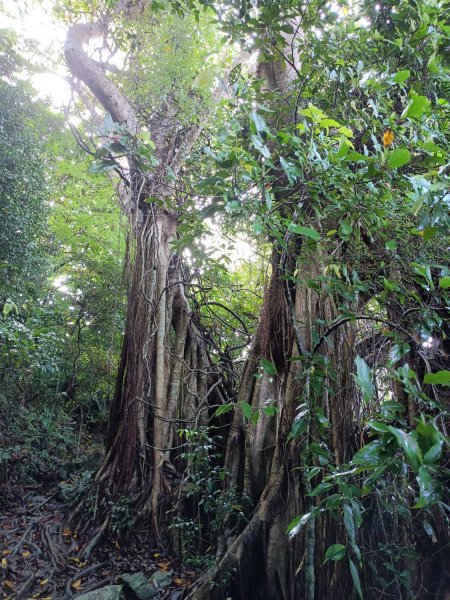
35	22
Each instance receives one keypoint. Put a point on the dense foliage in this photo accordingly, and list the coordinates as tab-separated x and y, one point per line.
320	135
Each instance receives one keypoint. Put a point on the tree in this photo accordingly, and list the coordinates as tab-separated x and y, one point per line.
164	345
339	97
23	192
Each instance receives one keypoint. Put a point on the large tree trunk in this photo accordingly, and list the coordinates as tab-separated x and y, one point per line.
165	379
264	462
164	375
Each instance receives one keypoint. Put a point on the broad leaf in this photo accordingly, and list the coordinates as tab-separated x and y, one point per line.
410	445
401	76
416	107
364	378
438	378
335	552
268	367
297	524
399	157
306	231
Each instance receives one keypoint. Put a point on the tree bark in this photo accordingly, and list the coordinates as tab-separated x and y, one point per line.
165	377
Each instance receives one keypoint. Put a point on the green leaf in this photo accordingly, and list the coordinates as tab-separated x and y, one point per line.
209	182
416	107
444	283
391	245
329	123
298	427
346	131
270	411
356	157
364	378
430	488
348	522
291	170
368	454
410	445
429	233
346	227
438	378
427	435
257	143
10	307
355	577
432	456
377	426
268	367
259	122
297	524
335	552
313	472
306	231
320	489
399	157
401	76
102	166
247	410
224	408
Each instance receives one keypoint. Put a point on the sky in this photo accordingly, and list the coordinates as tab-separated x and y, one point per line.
35	22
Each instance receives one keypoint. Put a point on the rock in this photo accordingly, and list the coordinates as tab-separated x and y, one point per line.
138	587
161	578
109	592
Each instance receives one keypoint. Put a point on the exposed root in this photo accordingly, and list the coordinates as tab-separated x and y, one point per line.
78	576
85	553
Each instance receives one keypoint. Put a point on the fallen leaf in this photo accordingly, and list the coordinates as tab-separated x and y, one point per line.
179	582
6	552
44	582
164	565
9	584
116	544
76	584
67	532
156	555
26	553
4	562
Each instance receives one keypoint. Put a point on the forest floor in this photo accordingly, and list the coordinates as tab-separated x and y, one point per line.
42	559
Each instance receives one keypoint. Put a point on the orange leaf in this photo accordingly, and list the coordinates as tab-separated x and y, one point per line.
76	584
67	532
179	582
388	138
164	565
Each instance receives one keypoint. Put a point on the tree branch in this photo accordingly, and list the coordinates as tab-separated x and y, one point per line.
91	73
